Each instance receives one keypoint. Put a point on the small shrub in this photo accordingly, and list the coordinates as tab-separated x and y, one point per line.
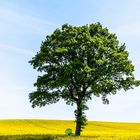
68	132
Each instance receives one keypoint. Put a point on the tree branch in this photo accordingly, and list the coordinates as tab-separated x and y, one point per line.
74	83
71	93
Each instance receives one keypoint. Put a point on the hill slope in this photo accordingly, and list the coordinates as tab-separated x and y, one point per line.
37	127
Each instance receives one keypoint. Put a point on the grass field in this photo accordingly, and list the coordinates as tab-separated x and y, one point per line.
55	130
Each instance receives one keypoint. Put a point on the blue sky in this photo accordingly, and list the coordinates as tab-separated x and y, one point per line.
24	25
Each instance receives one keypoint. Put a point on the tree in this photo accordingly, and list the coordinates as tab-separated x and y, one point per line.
78	62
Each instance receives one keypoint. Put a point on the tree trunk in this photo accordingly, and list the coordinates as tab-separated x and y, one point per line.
78	129
78	115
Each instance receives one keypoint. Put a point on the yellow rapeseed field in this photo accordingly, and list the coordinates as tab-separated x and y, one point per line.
94	130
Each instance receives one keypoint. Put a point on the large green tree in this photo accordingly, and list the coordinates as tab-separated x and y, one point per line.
76	63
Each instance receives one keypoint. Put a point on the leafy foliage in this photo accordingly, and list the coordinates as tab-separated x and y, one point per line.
78	62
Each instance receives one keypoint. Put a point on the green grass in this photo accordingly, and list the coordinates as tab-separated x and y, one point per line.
55	130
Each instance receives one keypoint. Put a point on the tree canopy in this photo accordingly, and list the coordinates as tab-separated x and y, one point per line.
77	62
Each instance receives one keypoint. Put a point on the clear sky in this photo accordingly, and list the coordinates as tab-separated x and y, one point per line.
23	26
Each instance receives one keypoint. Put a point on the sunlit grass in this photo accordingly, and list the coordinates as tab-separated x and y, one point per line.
55	130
